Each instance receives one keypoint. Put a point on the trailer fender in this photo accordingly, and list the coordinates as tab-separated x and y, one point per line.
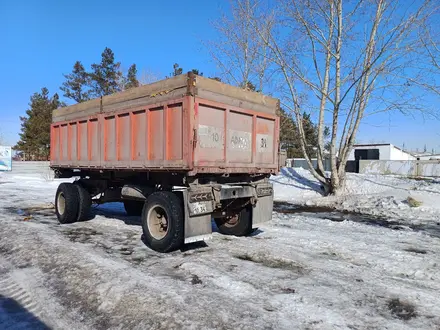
136	192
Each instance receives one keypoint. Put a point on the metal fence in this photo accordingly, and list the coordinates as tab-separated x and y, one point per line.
30	167
429	168
302	163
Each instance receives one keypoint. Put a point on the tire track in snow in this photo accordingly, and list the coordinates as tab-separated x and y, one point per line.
11	289
17	308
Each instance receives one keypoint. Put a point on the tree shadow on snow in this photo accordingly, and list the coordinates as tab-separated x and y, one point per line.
290	173
401	188
15	316
385	184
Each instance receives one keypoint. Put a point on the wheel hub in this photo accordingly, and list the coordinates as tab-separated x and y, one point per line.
61	203
157	221
231	221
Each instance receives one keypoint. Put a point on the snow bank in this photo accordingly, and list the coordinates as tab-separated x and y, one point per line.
380	195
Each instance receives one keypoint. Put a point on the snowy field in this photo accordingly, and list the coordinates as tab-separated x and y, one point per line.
302	270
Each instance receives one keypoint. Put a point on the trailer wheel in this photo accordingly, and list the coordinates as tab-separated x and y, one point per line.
84	203
133	208
162	221
239	224
66	203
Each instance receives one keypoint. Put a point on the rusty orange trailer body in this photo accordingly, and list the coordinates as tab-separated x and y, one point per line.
182	124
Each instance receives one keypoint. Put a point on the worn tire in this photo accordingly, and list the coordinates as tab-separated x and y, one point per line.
242	227
171	204
66	203
84	203
133	208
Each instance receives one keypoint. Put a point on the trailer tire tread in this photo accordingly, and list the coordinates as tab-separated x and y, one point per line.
172	205
71	197
242	228
84	203
133	207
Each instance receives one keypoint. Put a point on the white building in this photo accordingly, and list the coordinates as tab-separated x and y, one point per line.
383	151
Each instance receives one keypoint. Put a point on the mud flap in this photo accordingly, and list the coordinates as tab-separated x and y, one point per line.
197	225
262	210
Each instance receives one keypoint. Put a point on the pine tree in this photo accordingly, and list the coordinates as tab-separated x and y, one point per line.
106	76
131	81
289	137
249	86
287	131
76	87
35	126
177	70
197	72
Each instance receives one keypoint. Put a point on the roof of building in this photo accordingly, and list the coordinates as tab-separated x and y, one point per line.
381	145
372	144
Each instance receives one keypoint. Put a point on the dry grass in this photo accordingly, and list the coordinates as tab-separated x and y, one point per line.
48	175
413	202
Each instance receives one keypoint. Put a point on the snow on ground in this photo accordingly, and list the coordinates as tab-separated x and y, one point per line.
379	195
298	271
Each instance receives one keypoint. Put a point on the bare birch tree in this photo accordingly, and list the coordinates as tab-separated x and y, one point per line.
429	77
339	60
148	76
240	54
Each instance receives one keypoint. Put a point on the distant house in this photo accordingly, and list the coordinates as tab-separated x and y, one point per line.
383	151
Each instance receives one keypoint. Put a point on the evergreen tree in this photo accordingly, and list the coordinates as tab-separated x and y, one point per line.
326	137
311	133
197	72
106	76
288	136
131	80
177	70
249	86
76	86
35	126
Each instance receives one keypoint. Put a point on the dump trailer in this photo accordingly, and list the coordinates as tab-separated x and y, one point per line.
179	153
